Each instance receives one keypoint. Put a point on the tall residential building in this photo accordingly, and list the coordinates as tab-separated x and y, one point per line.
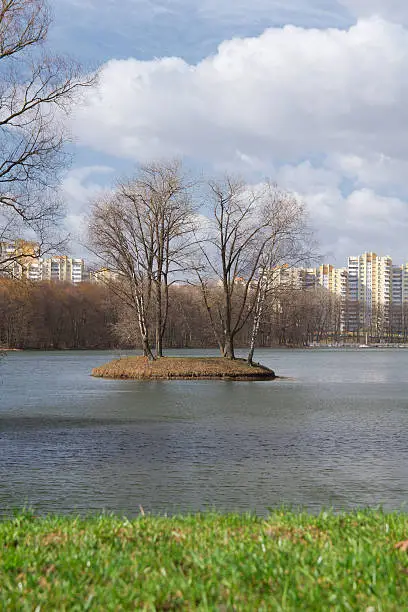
333	279
370	289
286	276
20	259
399	294
16	257
63	269
309	278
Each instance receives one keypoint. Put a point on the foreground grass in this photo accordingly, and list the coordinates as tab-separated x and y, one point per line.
140	368
205	562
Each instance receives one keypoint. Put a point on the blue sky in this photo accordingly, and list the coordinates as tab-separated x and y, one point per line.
311	93
191	29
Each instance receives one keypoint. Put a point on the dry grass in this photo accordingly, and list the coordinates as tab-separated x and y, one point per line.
167	368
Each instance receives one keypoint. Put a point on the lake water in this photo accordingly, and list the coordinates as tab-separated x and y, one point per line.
334	435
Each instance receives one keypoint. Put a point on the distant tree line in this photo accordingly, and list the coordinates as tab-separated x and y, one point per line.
55	316
63	316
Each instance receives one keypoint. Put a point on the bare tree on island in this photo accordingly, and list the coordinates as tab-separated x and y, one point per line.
35	88
250	231
144	233
289	244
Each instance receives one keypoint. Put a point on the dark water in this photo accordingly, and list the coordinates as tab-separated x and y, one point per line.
335	436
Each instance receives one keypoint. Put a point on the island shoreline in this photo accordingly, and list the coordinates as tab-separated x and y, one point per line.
183	368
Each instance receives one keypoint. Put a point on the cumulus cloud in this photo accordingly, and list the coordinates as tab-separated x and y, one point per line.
78	189
291	92
325	112
393	10
352	222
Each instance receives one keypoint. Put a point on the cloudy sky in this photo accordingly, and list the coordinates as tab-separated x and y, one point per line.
311	93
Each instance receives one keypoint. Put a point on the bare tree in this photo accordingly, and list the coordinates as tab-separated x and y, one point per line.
114	235
289	244
143	232
251	230
163	207
36	89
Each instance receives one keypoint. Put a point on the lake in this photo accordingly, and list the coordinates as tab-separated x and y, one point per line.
333	435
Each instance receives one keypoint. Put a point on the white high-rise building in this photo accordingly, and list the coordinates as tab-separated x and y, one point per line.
399	295
21	261
63	269
370	280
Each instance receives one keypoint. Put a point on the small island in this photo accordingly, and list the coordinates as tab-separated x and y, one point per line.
183	368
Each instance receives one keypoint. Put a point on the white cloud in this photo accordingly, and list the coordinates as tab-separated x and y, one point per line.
78	189
393	10
348	224
315	108
376	169
289	93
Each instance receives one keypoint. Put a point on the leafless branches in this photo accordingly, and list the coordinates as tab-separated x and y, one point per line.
36	90
252	230
144	233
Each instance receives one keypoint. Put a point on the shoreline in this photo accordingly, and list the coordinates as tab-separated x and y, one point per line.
183	368
355	346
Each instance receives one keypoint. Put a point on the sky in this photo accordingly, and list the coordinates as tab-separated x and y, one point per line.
312	94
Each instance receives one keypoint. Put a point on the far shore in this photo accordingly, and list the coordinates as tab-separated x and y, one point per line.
286	347
9	350
184	368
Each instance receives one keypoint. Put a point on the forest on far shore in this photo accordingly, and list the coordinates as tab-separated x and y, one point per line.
89	316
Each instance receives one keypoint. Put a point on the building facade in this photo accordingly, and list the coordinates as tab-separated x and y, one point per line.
372	292
20	260
370	282
63	269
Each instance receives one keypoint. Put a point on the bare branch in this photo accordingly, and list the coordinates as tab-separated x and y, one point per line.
35	88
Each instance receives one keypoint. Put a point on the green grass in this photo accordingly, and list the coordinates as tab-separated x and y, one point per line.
289	561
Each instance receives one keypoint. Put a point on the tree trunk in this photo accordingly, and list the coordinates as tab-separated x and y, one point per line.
228	337
229	347
254	336
165	312
144	333
159	322
147	352
256	324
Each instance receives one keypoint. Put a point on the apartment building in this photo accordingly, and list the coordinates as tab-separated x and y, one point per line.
370	288
16	257
333	279
399	295
61	268
103	276
370	281
21	261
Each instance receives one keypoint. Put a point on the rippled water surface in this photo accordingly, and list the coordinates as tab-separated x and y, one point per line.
336	434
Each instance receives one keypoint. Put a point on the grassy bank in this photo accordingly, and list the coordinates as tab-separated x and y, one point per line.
167	368
205	562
